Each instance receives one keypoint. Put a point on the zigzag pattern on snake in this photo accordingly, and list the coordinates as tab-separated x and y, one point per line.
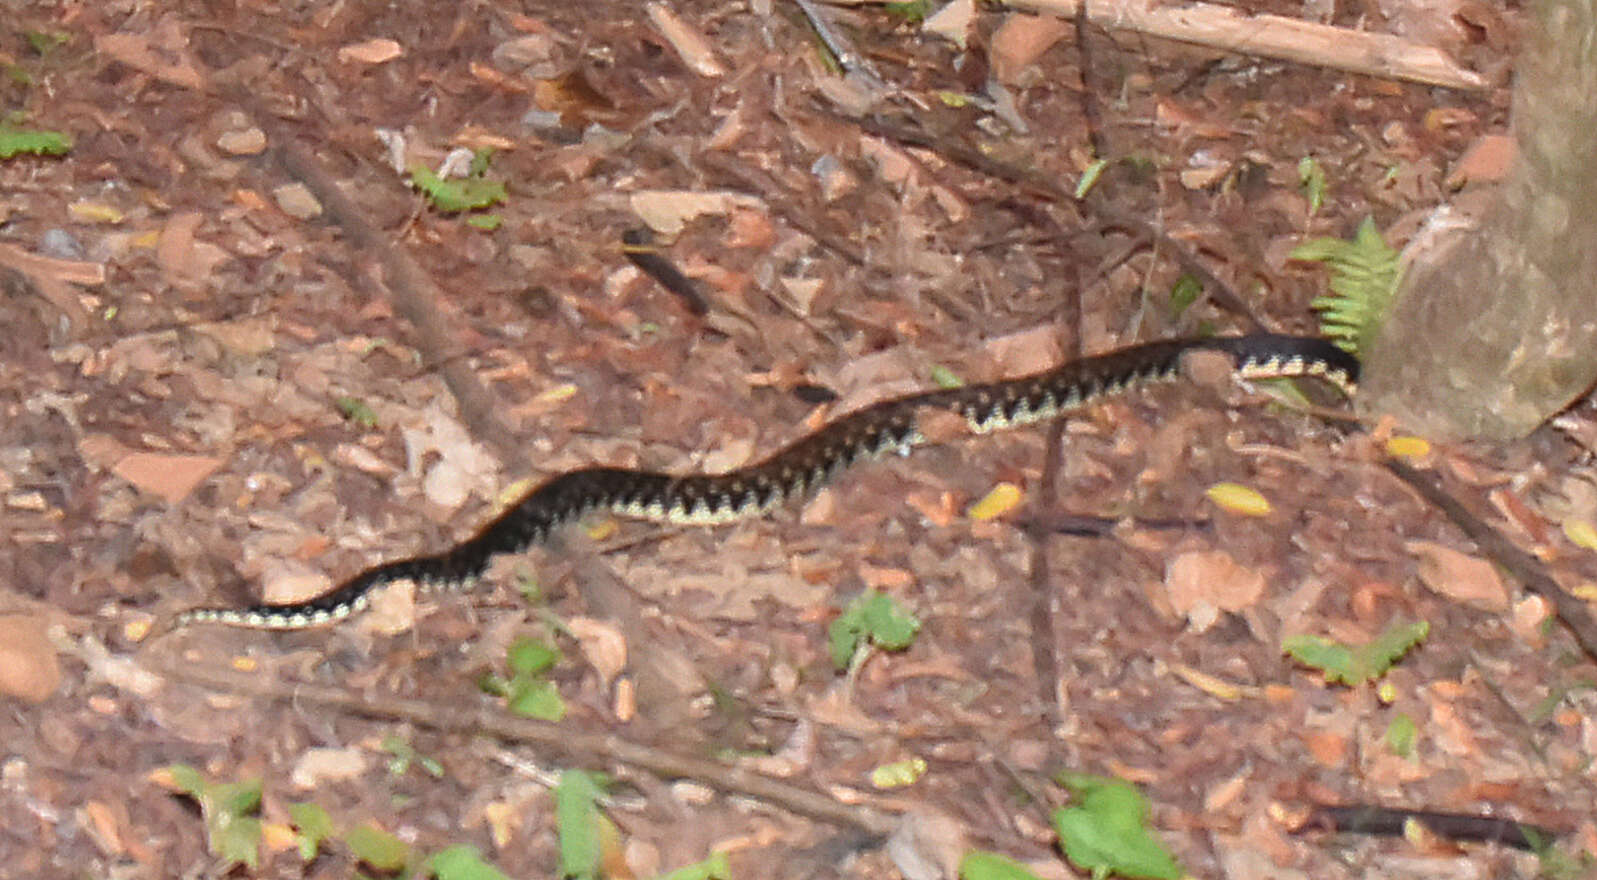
798	468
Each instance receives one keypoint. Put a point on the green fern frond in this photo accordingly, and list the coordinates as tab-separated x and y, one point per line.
1364	277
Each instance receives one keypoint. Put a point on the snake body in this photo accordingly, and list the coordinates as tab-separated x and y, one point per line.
797	469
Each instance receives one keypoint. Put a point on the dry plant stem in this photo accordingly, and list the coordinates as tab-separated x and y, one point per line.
550	739
1036	185
1572	612
1272	36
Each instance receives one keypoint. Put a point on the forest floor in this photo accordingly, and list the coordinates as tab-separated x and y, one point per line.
223	381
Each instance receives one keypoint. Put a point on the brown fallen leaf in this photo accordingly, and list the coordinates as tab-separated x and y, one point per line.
1459	576
374	51
1021	40
28	666
171	477
1211	577
602	644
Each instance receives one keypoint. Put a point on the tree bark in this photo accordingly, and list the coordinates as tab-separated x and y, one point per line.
1495	330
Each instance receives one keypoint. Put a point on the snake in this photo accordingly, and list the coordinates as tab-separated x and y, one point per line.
795	470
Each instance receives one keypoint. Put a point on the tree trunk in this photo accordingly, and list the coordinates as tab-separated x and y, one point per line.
1496	330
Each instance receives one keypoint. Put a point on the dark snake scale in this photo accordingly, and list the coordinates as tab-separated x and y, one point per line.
800	467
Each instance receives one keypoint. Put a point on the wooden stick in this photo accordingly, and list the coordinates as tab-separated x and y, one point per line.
1273	36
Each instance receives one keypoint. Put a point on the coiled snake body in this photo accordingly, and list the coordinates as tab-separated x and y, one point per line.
800	467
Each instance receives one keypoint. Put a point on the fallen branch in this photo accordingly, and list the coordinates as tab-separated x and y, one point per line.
1571	611
1272	36
1458	827
551	739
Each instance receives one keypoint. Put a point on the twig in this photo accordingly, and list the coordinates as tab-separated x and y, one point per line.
638	246
1450	826
1087	526
1571	611
551	738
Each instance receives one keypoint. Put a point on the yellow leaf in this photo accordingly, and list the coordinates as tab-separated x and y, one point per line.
558	393
277	836
1408	447
1002	499
898	773
602	530
1586	591
95	212
1215	687
1581	533
1237	498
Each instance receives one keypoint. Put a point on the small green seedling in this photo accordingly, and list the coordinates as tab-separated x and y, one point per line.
579	823
876	619
232	830
980	865
1311	178
454	196
16	141
526	691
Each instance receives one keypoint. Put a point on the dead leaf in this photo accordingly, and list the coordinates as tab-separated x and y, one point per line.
183	260
603	646
691	45
1459	576
1021	40
1211	577
171	65
246	336
375	51
320	765
927	845
668	211
952	22
171	477
28	666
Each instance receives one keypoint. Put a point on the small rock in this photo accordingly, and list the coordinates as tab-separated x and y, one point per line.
296	201
247	142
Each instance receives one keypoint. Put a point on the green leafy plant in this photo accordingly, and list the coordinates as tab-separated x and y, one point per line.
356	410
405	755
462	862
45	42
1106	830
1356	664
1184	293
1400	735
1311	178
979	865
874	618
454	196
15	141
312	825
716	867
579	823
526	691
1364	278
232	830
913	11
